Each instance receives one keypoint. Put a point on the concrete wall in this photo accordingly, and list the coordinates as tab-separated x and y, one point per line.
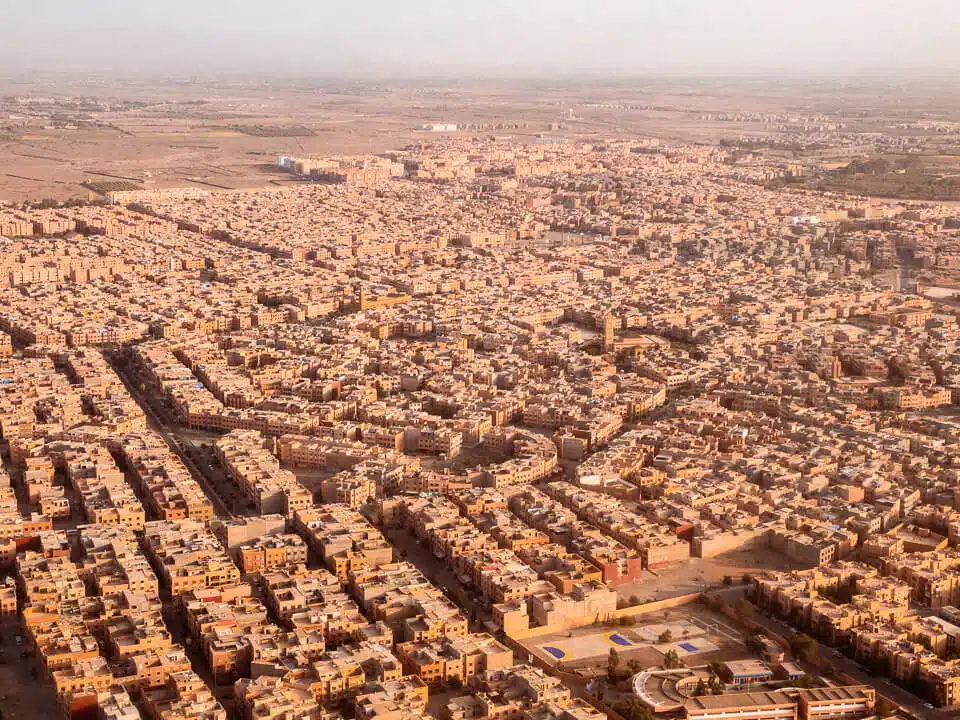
708	547
636	611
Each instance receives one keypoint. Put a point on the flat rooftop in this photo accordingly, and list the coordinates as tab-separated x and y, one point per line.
829	694
740	700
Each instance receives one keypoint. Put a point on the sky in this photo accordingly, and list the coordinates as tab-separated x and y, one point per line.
482	37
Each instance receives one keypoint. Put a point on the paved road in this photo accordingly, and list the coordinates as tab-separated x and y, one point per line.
215	476
908	701
22	695
159	424
440	574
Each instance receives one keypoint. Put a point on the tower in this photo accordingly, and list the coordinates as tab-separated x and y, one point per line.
608	328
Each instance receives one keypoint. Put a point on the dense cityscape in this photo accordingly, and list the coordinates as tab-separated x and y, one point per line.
482	428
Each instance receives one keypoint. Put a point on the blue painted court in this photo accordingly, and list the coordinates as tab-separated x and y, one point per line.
618	639
686	638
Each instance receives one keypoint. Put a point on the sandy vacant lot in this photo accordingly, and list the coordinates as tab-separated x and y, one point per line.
701	573
57	132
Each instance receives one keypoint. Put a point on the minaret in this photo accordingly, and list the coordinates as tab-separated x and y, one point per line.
608	328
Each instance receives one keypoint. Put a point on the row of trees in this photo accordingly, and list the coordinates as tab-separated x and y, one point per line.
617	672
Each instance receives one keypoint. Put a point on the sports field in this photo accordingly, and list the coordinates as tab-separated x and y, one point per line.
698	637
686	638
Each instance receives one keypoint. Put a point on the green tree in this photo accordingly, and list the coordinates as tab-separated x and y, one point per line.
613	665
727	580
803	646
701	688
721	672
665	637
633	709
805	681
672	660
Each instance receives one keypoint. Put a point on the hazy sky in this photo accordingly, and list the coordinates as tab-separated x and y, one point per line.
518	37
